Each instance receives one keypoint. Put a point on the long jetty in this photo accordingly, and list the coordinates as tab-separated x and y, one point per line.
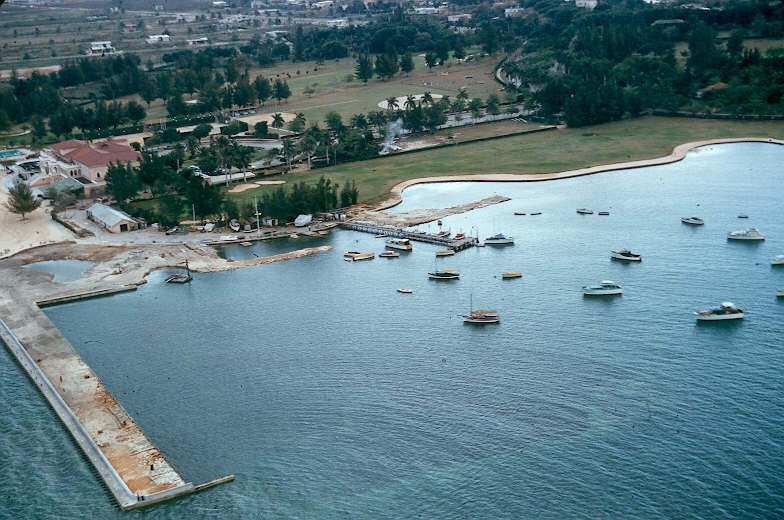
134	470
430	238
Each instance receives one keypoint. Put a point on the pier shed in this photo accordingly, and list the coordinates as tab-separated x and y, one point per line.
112	220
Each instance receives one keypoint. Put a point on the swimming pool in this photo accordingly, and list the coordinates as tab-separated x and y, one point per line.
9	153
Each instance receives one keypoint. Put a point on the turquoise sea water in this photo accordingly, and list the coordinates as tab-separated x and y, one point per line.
330	395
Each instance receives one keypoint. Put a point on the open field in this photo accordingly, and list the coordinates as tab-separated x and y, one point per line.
544	152
331	92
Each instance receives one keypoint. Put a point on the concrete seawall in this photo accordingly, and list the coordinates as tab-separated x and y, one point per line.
133	469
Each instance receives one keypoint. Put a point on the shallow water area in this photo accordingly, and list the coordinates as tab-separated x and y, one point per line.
331	395
62	270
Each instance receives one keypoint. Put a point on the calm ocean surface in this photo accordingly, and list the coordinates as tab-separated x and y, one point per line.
329	395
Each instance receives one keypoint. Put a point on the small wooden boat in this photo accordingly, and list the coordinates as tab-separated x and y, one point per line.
507	275
743	216
460	236
536	213
349	254
389	254
363	256
405	291
520	213
445	252
180	277
446	274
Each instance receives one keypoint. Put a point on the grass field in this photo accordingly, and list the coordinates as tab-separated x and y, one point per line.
544	152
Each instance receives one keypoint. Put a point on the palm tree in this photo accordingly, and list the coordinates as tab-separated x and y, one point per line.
288	153
392	103
277	120
410	102
427	98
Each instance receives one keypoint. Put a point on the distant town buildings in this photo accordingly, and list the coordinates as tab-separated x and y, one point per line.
101	48
514	12
158	38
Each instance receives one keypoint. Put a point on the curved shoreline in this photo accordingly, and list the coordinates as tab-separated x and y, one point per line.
678	154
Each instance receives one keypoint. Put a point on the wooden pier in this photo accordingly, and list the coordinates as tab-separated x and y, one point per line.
442	240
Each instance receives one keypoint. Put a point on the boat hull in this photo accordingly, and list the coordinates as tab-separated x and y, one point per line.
511	274
481	320
692	221
731	237
619	256
719	317
441	276
602	292
501	242
400	246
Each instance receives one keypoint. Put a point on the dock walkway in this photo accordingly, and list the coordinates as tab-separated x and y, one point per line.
442	240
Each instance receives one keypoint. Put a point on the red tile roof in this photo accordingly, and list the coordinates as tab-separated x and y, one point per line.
96	154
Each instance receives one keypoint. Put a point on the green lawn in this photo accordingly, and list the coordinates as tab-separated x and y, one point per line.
544	152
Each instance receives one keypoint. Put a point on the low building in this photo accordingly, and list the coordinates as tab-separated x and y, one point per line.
457	18
84	161
199	41
110	219
514	12
158	38
101	48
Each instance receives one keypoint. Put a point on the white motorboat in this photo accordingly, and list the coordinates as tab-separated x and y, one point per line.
499	240
229	238
402	244
726	311
389	254
585	211
780	293
405	291
777	260
625	255
693	221
749	234
604	288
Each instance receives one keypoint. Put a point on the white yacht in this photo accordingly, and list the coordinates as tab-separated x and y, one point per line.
749	234
625	255
402	244
605	288
694	221
726	311
585	211
777	260
499	240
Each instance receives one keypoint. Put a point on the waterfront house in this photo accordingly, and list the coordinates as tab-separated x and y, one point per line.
84	161
110	219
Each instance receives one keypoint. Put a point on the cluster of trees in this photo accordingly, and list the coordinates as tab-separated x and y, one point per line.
100	115
286	204
175	190
616	62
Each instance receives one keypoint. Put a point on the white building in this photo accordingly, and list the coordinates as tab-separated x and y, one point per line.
199	41
158	38
110	219
101	48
